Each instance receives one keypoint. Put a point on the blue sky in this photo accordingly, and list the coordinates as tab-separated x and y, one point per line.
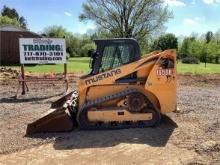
190	16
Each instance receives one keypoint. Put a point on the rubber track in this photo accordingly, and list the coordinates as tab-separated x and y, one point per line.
84	123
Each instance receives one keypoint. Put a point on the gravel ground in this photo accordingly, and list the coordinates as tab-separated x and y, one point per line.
194	132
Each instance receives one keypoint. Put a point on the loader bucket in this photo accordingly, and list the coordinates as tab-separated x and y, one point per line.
56	121
60	102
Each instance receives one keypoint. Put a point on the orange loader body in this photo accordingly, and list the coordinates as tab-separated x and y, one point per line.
122	91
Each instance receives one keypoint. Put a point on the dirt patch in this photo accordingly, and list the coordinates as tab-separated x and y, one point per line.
199	80
15	114
191	136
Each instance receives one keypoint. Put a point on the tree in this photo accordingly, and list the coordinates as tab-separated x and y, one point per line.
184	50
208	36
75	45
217	37
167	41
5	20
205	47
85	48
72	43
55	31
213	52
127	18
101	33
23	22
13	14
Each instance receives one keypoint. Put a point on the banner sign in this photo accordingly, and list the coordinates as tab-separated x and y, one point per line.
42	50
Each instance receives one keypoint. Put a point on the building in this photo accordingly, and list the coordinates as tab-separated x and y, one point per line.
9	42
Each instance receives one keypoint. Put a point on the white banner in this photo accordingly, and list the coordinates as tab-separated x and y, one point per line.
42	50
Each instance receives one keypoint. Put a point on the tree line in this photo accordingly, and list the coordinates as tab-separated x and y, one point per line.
140	19
195	48
76	45
205	47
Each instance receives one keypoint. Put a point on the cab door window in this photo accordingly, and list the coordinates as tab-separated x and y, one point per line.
116	55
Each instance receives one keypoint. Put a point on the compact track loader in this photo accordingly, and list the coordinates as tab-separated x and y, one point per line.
123	90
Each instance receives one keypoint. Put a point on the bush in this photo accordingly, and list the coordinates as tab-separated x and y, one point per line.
86	48
190	60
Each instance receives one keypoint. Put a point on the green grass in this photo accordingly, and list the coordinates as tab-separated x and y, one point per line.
81	64
198	68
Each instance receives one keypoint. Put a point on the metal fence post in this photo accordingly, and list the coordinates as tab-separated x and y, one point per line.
23	81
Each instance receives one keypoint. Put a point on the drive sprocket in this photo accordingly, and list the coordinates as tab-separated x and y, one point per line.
136	102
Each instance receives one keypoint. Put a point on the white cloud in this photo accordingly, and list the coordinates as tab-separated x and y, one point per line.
193	21
176	3
189	21
68	14
197	18
209	2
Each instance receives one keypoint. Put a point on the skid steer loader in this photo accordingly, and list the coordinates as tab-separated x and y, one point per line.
123	90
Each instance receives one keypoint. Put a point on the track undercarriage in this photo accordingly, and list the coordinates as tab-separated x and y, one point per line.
131	109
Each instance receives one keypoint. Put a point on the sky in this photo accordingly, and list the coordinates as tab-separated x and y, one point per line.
189	16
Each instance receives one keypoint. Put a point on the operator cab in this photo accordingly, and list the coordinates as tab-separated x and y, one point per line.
113	53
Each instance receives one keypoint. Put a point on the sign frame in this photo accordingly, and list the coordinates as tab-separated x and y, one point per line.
23	80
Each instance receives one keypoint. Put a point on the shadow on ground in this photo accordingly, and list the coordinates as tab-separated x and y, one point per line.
30	99
153	136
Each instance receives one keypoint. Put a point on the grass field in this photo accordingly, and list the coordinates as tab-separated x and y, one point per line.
73	65
82	65
198	68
